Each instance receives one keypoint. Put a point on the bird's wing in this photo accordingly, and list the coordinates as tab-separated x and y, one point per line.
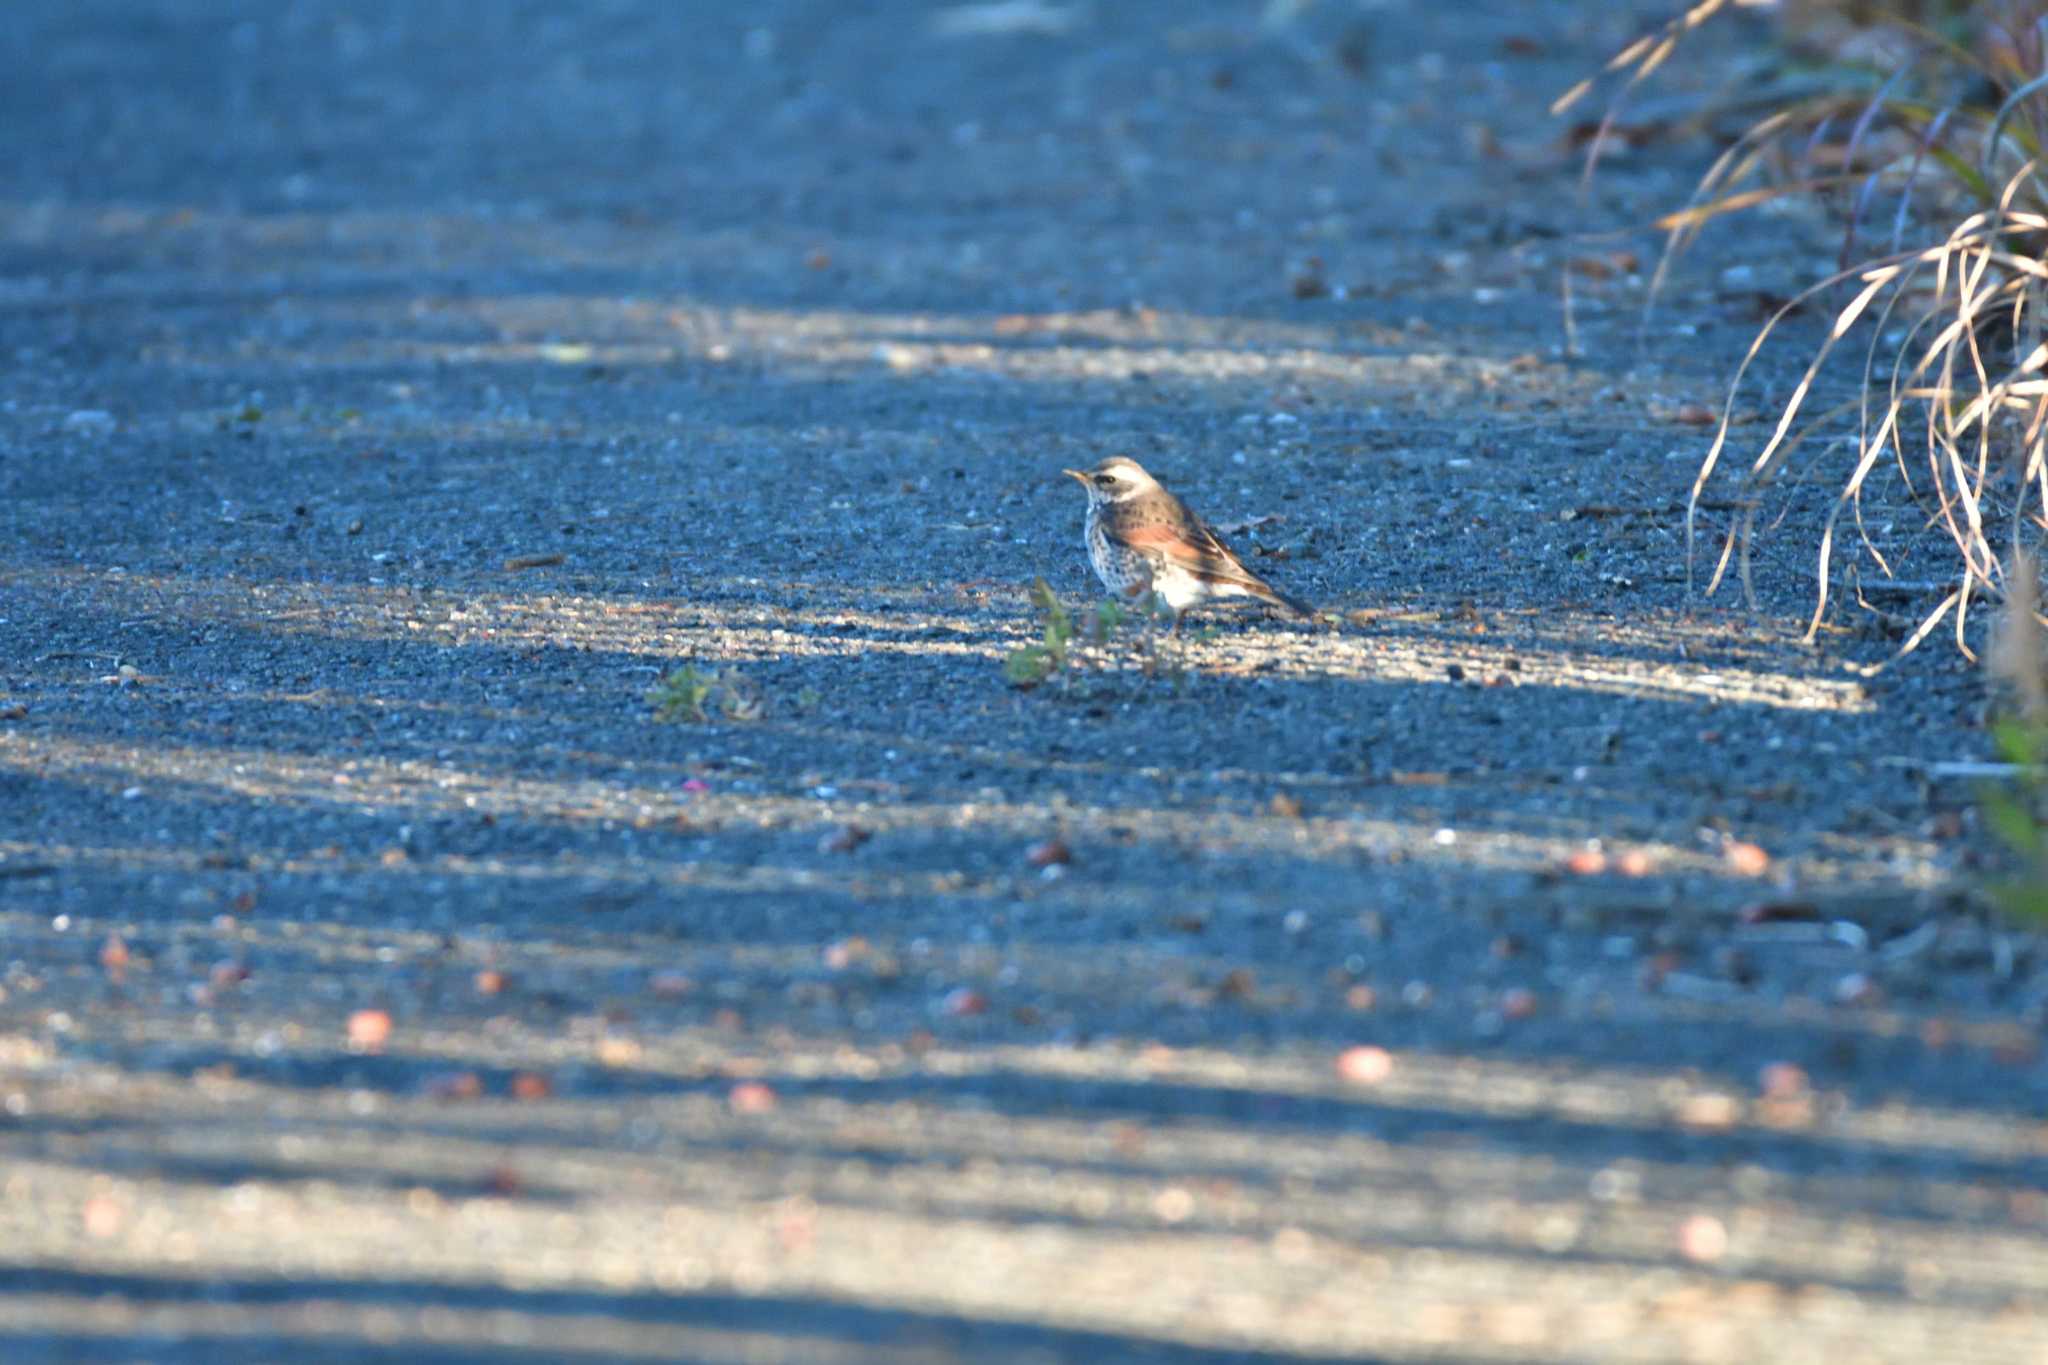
1191	545
1186	540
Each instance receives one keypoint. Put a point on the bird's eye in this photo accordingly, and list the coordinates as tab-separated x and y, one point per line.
1105	480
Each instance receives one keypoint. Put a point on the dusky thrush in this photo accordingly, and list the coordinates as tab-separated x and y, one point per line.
1142	538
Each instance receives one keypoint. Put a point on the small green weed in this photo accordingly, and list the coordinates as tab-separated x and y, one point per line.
702	694
2014	812
1026	668
1112	626
1109	618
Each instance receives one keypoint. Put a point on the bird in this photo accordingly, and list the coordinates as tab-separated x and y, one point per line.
1142	538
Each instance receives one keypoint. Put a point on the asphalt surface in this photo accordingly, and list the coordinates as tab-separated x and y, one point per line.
1531	962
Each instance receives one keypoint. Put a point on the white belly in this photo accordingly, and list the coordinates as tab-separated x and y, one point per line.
1180	589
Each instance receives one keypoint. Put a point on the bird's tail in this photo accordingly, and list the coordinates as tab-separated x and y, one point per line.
1289	601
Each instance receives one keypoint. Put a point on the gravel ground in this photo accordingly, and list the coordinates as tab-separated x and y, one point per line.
1529	963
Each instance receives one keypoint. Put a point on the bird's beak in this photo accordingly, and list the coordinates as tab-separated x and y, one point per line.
1076	474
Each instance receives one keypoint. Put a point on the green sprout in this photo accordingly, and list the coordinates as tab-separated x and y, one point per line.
694	694
1026	668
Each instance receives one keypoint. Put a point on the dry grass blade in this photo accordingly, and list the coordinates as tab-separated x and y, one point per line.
1692	219
1963	397
1645	55
1926	627
1961	315
2013	103
1763	464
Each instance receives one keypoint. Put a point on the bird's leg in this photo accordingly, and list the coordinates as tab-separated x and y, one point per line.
1178	617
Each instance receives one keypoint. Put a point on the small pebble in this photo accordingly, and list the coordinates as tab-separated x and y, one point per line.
90	421
1365	1065
1746	860
369	1030
1049	853
751	1097
1585	862
1703	1238
964	1002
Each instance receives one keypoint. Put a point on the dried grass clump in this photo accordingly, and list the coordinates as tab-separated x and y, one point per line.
1939	112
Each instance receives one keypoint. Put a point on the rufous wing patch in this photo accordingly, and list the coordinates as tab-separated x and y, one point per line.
1207	557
